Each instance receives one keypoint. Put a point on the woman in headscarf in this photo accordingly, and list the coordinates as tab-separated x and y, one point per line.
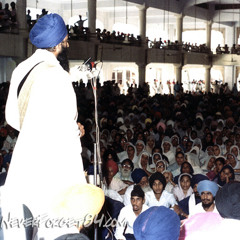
150	144
167	150
217	150
232	160
193	159
226	175
140	146
209	167
156	157
161	166
132	153
175	142
197	142
235	150
143	163
183	189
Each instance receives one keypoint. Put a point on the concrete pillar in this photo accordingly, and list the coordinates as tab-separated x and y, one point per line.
142	21
179	27
230	75
230	35
178	73
21	6
208	33
207	78
92	9
141	73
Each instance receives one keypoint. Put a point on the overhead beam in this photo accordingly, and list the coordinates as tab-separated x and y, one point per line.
227	6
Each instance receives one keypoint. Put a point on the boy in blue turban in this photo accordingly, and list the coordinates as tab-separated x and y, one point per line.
207	190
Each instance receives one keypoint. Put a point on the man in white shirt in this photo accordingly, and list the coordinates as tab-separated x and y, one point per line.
207	190
129	213
159	196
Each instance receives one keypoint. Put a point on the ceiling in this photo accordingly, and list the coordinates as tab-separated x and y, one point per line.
226	12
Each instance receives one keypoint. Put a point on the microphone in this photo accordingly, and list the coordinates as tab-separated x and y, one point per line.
86	65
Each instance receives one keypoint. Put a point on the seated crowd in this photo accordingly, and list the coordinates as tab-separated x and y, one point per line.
165	159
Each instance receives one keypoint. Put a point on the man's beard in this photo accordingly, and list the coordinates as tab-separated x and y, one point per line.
63	59
125	175
206	205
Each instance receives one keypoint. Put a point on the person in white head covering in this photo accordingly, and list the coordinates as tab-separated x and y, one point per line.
175	142
167	150
161	166
150	144
209	167
140	146
197	142
143	163
217	150
234	163
183	189
235	150
193	159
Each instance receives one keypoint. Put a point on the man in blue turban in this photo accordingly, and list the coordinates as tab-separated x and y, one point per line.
207	190
42	106
48	33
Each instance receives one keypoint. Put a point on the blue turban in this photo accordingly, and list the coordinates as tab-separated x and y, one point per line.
159	223
207	186
48	32
138	174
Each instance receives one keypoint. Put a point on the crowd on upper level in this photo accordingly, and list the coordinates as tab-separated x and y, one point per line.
188	47
235	49
8	16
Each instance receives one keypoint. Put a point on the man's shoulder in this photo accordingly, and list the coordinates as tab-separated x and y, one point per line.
165	193
130	188
126	209
149	193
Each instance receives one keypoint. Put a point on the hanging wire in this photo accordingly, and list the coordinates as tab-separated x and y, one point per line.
195	15
164	19
219	16
168	19
126	12
233	11
114	13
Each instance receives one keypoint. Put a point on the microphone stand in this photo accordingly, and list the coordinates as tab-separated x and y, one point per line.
97	158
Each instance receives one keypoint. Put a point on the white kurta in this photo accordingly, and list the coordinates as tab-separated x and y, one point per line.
167	199
126	218
47	155
199	209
